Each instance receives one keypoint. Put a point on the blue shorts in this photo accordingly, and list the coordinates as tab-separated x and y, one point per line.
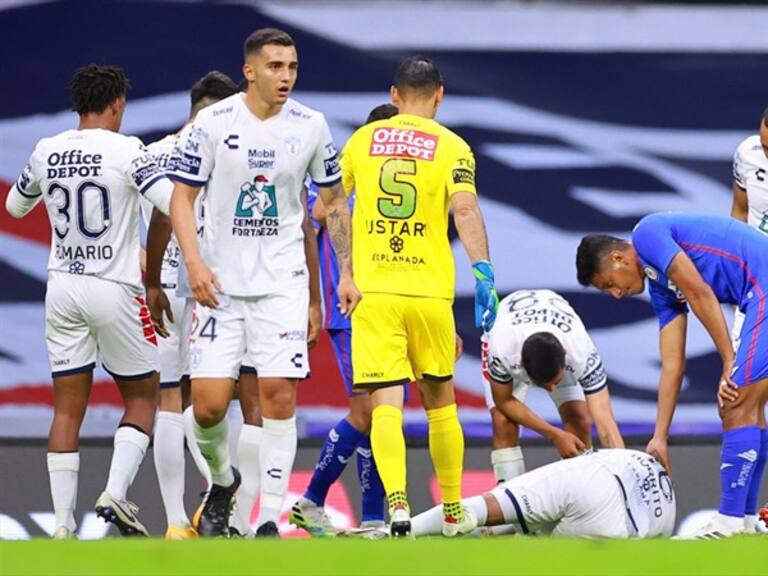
751	363
342	349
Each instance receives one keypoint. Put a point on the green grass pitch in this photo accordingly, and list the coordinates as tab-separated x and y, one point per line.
744	556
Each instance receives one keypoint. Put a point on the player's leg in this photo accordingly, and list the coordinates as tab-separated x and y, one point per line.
753	495
371	487
576	420
248	450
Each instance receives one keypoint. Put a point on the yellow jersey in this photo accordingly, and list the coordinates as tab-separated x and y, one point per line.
403	171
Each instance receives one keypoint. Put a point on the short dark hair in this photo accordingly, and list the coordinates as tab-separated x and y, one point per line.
543	357
214	86
382	112
95	87
765	117
264	36
418	73
590	253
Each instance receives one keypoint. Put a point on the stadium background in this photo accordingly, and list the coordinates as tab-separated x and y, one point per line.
583	118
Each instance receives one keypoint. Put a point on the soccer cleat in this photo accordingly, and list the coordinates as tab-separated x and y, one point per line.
121	513
180	533
217	506
400	521
366	533
64	533
763	518
457	527
309	516
268	530
714	529
373	524
199	512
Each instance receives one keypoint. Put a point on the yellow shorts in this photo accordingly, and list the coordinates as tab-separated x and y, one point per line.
396	339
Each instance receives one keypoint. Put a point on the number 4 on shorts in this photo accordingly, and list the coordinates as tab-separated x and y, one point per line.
210	326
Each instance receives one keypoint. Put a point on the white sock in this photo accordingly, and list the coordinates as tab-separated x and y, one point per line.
276	456
214	445
194	449
250	468
235	417
750	523
431	521
168	451
507	463
62	471
130	448
730	523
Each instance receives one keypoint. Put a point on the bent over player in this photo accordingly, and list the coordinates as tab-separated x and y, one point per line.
407	172
700	261
91	179
539	340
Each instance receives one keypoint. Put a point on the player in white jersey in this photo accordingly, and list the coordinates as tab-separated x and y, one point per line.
163	279
250	274
607	494
539	340
90	180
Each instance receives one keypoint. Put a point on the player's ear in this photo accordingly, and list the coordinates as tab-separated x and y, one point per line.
248	72
439	93
393	94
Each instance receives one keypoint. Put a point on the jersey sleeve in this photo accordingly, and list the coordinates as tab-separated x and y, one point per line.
25	193
148	178
193	157
589	372
498	369
665	304
324	167
739	169
653	241
462	176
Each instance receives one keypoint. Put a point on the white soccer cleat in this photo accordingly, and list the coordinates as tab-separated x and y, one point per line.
309	516
121	513
717	528
400	521
64	533
453	527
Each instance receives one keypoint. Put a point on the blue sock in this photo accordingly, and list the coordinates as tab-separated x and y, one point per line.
371	488
738	457
757	475
338	448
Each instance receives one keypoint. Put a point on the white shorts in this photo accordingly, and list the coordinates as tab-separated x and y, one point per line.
87	314
174	350
568	390
268	333
575	497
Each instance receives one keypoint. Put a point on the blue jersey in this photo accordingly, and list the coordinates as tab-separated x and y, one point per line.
730	256
329	270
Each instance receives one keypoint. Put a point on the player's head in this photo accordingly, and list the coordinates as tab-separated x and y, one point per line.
100	91
764	132
211	88
381	112
271	65
417	86
543	358
609	264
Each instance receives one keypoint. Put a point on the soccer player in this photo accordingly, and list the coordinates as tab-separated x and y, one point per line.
351	434
607	494
251	275
539	340
700	261
407	172
163	283
91	179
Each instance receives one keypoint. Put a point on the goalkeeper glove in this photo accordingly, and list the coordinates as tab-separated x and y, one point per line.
486	299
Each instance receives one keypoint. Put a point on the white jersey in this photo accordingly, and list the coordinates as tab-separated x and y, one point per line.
91	182
254	172
527	312
750	172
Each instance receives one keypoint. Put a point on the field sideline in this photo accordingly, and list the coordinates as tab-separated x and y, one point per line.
338	557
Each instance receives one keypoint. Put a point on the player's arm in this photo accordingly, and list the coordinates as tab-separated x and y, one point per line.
24	194
313	265
599	406
319	212
567	444
158	236
739	206
672	352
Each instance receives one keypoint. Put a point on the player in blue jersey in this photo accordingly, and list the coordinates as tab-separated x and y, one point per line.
351	433
700	261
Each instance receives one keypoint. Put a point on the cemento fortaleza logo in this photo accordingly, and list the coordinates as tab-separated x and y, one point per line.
403	144
256	213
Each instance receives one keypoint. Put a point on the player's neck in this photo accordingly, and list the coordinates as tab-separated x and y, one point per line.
259	108
421	109
95	121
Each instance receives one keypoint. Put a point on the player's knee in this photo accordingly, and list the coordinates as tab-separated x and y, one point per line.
207	415
278	401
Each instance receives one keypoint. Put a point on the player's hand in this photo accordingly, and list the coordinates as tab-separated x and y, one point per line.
204	284
315	324
486	298
568	445
659	449
159	305
349	295
459	350
727	390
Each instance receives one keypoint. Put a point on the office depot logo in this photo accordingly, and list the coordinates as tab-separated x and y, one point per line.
403	144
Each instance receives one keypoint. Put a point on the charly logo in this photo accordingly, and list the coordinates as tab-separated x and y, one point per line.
257	199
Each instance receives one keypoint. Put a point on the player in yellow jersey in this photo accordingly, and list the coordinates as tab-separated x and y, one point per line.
407	172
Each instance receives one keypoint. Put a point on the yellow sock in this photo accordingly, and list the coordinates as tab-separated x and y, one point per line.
388	444
446	446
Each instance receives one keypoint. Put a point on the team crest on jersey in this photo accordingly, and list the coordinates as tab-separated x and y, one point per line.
257	199
292	145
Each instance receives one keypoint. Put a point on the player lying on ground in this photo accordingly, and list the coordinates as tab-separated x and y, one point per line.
539	340
91	180
701	261
614	493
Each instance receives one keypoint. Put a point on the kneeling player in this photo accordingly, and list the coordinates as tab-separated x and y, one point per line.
539	340
608	494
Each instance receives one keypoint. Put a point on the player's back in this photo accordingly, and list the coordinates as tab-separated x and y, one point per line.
404	170
90	182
